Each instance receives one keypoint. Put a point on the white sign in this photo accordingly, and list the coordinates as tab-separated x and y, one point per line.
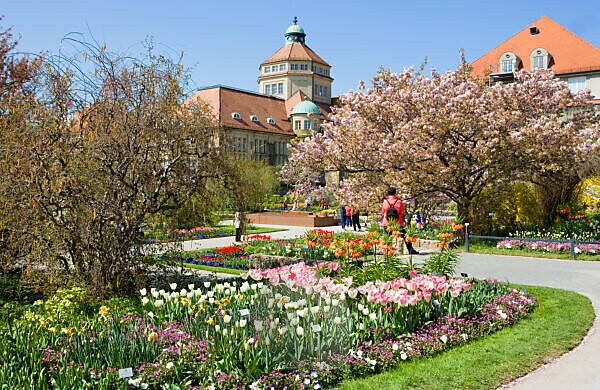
125	373
244	312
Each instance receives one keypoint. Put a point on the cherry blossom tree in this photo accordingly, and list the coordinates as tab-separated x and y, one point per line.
449	134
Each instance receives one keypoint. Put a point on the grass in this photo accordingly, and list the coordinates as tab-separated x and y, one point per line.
215	269
556	326
492	250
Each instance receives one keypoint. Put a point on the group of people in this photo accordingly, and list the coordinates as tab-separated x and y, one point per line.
350	216
392	210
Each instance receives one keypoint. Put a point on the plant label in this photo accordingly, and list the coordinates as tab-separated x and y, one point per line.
244	312
125	373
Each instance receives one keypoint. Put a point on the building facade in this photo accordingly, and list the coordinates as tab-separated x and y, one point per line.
544	45
294	96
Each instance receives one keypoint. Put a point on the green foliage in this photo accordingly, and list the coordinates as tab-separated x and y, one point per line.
66	306
249	184
510	204
443	263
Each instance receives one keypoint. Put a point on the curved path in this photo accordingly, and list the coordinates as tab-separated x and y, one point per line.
578	369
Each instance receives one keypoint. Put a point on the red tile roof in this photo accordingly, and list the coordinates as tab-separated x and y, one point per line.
227	100
569	52
295	52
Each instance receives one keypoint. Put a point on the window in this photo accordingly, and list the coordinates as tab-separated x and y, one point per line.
297	125
274	89
282	67
294	66
267	89
539	62
576	84
325	91
314	68
319	90
280	88
267	69
507	66
306	124
303	66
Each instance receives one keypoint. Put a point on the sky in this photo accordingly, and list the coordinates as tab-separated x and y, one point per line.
223	41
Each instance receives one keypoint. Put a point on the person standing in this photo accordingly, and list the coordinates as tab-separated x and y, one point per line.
393	211
356	218
348	212
237	224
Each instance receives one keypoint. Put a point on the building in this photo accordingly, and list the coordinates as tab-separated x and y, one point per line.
294	95
544	44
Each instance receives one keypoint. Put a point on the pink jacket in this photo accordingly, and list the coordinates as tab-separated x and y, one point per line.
387	203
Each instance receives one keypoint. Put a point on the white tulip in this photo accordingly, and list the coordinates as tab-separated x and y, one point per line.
143	292
158	302
300	331
145	300
337	320
173	286
226	319
243	323
191	286
206	284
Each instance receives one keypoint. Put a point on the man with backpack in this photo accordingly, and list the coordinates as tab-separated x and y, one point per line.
393	211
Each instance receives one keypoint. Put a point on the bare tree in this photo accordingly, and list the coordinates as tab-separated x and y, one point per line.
109	144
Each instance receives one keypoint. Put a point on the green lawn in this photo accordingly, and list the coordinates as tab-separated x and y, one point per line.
492	250
215	269
556	326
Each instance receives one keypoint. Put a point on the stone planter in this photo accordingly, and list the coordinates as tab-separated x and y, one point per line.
263	261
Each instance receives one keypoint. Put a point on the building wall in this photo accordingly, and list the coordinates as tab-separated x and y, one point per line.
306	81
592	82
268	147
320	81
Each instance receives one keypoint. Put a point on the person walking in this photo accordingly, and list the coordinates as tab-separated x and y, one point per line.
356	218
393	211
237	224
343	217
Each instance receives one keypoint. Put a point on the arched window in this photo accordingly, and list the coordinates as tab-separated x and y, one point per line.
540	59
509	62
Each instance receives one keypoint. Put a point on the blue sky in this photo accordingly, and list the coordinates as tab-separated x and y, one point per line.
224	41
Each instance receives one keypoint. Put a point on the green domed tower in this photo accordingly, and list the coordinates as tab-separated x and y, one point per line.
295	33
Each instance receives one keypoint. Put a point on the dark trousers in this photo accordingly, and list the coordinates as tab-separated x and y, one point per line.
238	234
343	219
356	221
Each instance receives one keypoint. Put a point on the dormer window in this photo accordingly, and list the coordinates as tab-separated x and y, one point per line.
236	115
271	121
540	59
267	69
509	62
253	118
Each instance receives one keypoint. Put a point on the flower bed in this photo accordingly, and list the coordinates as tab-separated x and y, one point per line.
232	257
545	246
289	327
